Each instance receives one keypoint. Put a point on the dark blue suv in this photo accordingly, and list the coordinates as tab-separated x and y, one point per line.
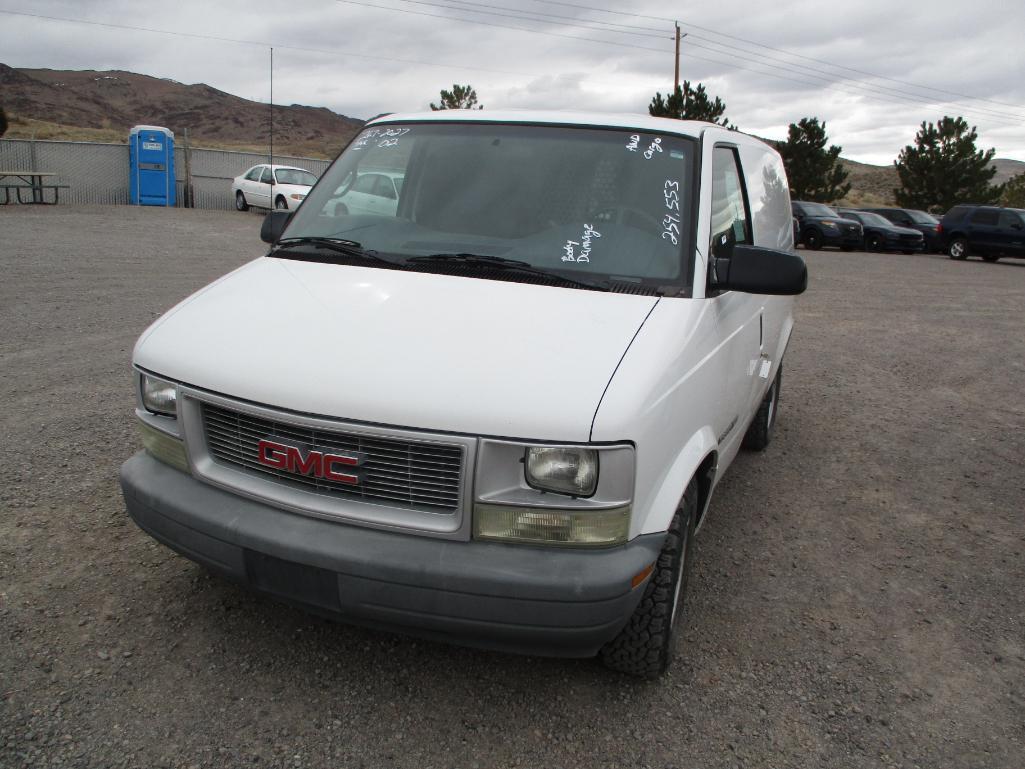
822	226
986	231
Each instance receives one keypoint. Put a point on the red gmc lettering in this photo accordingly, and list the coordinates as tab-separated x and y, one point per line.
271	454
333	459
315	463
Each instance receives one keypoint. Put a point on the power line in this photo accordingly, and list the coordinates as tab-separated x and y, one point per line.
499	26
221	39
779	50
781	64
896	97
651	30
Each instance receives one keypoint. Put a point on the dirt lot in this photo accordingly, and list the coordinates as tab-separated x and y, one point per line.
857	599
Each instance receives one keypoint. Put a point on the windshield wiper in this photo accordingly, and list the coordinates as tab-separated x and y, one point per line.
486	262
350	248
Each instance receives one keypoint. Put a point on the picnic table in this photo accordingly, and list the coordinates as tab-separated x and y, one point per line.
33	182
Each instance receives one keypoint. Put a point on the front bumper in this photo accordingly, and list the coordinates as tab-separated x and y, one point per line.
548	601
841	239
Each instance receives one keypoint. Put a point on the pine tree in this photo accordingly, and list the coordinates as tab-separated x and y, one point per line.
944	168
688	103
814	172
1014	192
460	97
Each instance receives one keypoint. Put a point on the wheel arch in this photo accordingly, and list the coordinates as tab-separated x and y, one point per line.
698	459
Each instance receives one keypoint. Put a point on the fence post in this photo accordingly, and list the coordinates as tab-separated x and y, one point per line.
189	202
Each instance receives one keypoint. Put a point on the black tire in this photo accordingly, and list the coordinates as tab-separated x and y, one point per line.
812	240
958	249
759	432
873	243
240	202
280	203
990	257
644	647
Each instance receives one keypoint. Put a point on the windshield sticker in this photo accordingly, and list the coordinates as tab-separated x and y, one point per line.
634	143
584	244
656	146
671	221
389	137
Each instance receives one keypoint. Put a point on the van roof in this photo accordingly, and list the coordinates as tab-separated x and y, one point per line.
691	128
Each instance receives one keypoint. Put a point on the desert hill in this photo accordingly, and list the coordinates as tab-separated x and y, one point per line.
102	106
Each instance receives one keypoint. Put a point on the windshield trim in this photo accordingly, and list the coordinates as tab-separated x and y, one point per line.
681	287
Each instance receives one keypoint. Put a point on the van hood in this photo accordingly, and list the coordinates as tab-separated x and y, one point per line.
406	349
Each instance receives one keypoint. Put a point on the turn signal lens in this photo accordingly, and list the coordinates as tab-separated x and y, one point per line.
543	526
164	447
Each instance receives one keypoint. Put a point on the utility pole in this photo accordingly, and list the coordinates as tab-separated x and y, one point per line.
676	77
272	105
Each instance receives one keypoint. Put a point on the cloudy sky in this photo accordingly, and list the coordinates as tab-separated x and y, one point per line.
873	69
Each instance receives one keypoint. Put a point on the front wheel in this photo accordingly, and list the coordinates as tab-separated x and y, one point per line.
281	204
958	249
644	648
759	434
812	240
874	243
240	201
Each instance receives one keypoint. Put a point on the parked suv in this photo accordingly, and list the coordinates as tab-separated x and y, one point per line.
496	413
883	235
823	226
986	231
924	222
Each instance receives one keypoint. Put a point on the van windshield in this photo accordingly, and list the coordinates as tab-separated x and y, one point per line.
578	201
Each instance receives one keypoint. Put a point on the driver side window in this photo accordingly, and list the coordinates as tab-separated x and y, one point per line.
267	177
730	221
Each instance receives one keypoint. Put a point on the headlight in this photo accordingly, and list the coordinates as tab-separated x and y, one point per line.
564	470
543	526
297	196
159	396
828	224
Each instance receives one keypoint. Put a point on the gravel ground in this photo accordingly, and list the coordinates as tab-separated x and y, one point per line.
857	596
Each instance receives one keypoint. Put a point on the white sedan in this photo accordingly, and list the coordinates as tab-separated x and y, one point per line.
267	186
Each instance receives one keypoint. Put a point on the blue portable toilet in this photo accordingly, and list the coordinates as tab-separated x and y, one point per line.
151	166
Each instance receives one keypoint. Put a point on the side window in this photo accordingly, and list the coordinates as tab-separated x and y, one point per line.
985	216
365	184
730	222
267	177
1010	220
383	188
254	173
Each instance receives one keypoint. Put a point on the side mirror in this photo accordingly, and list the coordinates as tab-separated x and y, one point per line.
757	270
274	224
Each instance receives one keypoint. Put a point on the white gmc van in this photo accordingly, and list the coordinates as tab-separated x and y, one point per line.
494	410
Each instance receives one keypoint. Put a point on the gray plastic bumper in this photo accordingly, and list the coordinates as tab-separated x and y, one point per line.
548	601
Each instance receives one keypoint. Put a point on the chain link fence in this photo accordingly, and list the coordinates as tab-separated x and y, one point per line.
98	173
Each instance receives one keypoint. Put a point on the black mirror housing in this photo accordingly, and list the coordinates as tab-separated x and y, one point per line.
273	225
757	270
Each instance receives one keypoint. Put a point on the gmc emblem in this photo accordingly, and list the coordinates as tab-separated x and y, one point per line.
281	456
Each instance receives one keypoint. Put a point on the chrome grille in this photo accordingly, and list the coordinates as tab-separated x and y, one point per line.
396	472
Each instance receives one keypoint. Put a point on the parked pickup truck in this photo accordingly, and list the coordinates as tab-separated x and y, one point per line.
495	412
